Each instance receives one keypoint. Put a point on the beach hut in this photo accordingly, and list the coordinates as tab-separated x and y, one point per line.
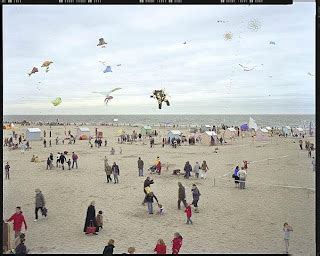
206	128
298	131
252	124
174	134
286	130
244	127
146	130
209	138
33	134
83	133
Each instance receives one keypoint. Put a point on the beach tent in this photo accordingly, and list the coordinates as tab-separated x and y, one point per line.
174	134
230	132
209	138
264	130
206	128
146	130
262	135
244	127
298	131
268	128
83	133
121	132
286	130
33	134
252	124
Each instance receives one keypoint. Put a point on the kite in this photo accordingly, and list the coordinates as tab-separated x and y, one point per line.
228	36
310	74
246	68
56	102
271	42
101	42
46	65
254	25
161	97
220	21
184	43
108	69
33	71
107	94
118	65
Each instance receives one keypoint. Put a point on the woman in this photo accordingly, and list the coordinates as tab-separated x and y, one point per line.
149	200
204	169
235	176
91	218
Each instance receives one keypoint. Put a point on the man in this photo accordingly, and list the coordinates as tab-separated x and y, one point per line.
62	160
7	170
107	169
140	167
146	183
196	196
115	172
74	160
39	202
187	170
313	164
18	220
181	195
242	174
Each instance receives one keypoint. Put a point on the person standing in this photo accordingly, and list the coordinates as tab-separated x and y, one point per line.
18	219
39	202
7	171
176	243
91	218
235	176
300	144
108	250
158	165
196	196
58	159
107	169
287	229
204	168
45	143
50	133
197	170
146	183
187	170
74	160
49	143
48	163
309	152
242	177
149	200
115	172
140	167
161	247
181	196
188	212
62	160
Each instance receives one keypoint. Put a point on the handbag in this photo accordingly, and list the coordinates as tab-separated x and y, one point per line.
44	211
91	229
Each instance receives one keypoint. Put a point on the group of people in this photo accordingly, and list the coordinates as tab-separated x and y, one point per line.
240	176
61	159
199	171
111	170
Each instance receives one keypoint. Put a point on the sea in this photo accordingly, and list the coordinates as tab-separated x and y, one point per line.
302	121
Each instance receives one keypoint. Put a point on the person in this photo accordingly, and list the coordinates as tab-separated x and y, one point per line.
140	167
221	140
204	168
287	229
163	142
57	141
149	200
74	160
50	144
112	151
69	164
45	143
148	181
62	160
33	158
187	170
161	247
105	142
313	164
99	220
300	144
235	176
176	243
181	195
161	210
58	159
188	212
120	151
91	218
50	134
18	219
245	165
51	159
196	196
7	171
108	250
107	169
39	203
131	250
197	170
309	152
158	165
21	248
17	240
48	163
242	177
115	172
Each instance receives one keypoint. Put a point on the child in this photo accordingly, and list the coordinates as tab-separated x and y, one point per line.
99	220
161	209
176	243
188	211
7	169
21	248
108	250
69	164
287	229
131	250
161	247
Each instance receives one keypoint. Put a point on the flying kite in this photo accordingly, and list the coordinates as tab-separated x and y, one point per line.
254	25
160	96
228	36
184	43
108	69
46	65
56	101
101	42
246	68
33	71
220	21
271	42
118	65
310	74
107	94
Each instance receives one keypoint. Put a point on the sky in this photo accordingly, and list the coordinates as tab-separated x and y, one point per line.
202	76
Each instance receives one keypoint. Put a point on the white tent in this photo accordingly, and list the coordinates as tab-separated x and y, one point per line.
268	128
206	127
33	134
83	132
174	134
209	138
252	124
264	130
286	130
298	130
262	135
230	132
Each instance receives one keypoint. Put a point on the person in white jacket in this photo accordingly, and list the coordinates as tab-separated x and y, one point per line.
242	174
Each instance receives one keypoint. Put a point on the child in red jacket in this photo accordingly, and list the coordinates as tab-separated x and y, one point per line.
176	243
188	211
161	247
18	220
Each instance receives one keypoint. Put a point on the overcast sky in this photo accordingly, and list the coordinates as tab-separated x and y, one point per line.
202	76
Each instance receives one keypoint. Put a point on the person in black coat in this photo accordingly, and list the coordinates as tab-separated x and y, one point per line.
108	250
147	183
91	218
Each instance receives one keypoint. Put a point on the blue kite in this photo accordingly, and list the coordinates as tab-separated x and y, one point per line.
108	69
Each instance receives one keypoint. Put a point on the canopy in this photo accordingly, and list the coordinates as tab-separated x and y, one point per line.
252	124
264	130
231	129
211	133
244	127
268	128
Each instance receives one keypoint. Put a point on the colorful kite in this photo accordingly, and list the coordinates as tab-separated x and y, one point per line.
107	94
56	101
101	42
271	42
46	65
228	36
246	68
254	25
33	71
108	69
161	97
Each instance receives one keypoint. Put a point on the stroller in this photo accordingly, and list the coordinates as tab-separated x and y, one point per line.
152	169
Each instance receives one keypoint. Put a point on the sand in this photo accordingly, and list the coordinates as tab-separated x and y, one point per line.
230	220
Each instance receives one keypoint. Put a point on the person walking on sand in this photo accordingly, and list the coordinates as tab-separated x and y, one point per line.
181	196
107	169
204	169
187	170
18	219
7	171
39	203
48	163
91	218
197	170
161	247
108	250
235	176
309	152
62	160
146	183
196	196
74	160
44	143
287	229
176	243
188	212
300	144
58	159
115	172
140	167
149	200
313	164
242	174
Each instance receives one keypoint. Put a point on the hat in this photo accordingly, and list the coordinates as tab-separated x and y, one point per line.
37	190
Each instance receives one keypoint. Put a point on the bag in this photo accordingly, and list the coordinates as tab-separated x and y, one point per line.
233	176
44	211
91	229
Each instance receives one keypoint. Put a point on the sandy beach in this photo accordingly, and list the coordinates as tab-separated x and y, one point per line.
229	220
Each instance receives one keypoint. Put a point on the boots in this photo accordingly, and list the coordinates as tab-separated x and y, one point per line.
196	209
